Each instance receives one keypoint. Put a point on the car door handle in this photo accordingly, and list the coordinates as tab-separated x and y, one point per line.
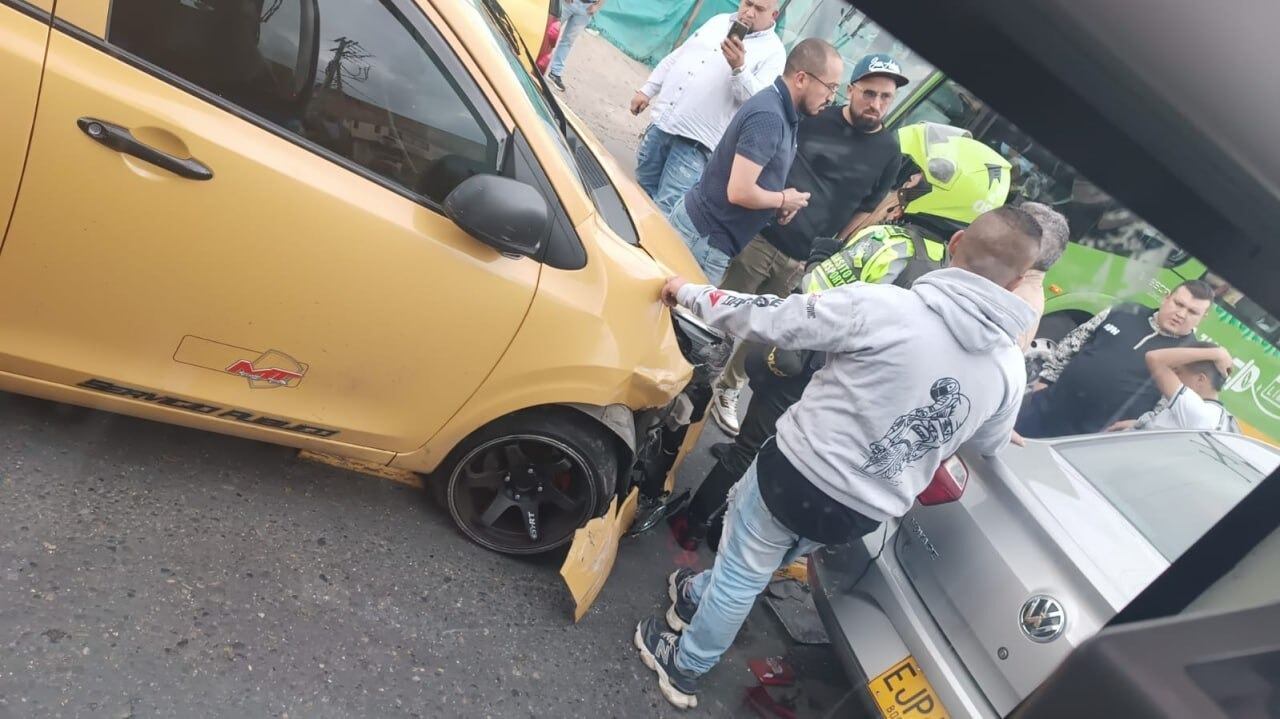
121	140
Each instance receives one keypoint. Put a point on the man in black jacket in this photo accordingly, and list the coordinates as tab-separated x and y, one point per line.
1098	374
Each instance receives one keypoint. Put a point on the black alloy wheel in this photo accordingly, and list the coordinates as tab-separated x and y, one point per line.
527	491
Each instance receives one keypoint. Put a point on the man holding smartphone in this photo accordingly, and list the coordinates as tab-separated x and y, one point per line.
745	185
695	91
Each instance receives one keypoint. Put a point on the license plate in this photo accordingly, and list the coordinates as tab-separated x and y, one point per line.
903	692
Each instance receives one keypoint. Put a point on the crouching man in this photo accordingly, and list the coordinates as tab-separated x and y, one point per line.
1189	379
911	375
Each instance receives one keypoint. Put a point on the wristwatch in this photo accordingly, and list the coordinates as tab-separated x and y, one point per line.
737	70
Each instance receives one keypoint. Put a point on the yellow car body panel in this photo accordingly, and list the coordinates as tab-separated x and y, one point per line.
392	334
43	5
22	44
117	270
88	15
593	336
58	392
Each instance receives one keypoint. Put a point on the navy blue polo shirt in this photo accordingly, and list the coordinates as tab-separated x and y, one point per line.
763	131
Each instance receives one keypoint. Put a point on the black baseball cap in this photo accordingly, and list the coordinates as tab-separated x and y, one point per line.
879	64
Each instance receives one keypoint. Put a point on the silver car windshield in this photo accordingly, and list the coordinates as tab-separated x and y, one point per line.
1171	486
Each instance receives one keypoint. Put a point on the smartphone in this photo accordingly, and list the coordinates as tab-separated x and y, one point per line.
738	29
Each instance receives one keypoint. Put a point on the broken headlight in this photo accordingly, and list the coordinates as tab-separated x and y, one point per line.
703	347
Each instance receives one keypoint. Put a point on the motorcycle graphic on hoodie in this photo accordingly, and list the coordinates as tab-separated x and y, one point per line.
918	432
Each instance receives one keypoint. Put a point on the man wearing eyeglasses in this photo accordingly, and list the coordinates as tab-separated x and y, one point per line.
744	186
847	162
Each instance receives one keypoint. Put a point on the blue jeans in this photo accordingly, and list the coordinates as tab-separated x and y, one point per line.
753	547
574	18
668	165
712	261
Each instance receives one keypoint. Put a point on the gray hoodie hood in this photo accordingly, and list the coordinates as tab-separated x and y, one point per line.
980	314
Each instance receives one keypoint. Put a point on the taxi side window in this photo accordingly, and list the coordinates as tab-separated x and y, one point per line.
352	76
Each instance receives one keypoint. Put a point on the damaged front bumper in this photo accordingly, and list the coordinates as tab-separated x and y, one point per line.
661	433
663	437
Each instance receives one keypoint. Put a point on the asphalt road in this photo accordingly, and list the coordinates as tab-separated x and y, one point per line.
153	571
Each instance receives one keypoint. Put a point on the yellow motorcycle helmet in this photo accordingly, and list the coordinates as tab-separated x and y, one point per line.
961	177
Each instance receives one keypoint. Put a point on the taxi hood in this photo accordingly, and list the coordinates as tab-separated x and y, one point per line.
657	237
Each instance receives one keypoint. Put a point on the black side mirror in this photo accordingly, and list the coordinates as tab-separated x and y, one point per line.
507	215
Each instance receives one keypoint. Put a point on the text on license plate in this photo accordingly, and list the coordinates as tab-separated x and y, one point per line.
903	692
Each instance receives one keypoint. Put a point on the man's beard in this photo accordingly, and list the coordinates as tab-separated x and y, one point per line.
863	123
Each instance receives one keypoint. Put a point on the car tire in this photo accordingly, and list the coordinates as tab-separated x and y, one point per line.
524	484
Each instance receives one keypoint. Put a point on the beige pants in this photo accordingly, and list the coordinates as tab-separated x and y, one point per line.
759	269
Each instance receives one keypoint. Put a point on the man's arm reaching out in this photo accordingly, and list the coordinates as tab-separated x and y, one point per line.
827	323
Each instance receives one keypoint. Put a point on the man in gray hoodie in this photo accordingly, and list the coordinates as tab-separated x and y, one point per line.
910	377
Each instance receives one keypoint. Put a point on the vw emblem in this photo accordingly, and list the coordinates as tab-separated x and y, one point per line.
1042	618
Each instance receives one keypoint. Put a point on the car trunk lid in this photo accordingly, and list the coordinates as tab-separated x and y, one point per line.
979	564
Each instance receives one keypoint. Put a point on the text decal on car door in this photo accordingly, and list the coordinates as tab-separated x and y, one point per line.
239	415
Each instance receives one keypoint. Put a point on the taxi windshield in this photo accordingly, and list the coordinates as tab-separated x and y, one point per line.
577	157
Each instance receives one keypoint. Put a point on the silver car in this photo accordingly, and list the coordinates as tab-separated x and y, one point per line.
963	608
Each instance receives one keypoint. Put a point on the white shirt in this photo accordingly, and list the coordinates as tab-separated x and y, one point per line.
1188	410
693	91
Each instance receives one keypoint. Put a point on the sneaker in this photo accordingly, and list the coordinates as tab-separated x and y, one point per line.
557	81
658	652
720	450
682	609
724	410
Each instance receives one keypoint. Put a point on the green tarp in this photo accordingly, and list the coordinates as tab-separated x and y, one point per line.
645	30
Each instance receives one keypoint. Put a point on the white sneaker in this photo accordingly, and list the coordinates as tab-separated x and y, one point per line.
724	410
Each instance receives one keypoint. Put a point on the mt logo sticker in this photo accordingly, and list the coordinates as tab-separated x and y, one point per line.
263	369
263	372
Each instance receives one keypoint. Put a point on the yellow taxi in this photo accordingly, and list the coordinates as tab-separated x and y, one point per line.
357	227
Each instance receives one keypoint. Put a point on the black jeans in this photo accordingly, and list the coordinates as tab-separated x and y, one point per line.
769	400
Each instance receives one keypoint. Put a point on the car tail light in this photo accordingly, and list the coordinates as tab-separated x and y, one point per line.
948	483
